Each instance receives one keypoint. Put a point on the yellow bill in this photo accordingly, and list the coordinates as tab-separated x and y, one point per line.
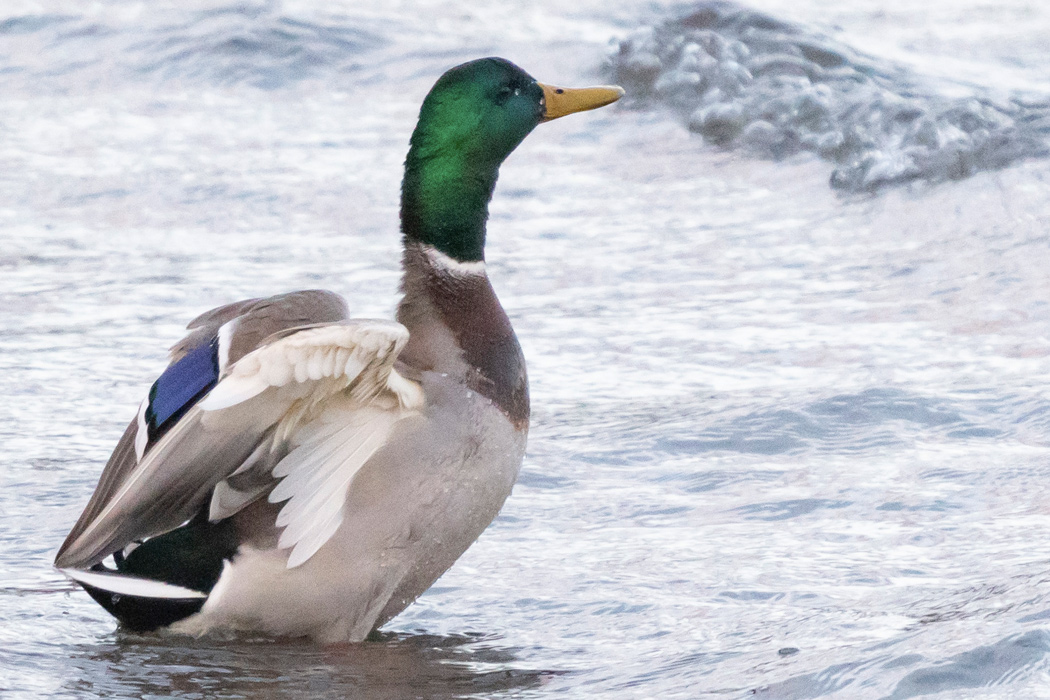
562	101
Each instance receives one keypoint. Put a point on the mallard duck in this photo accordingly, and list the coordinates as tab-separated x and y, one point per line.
296	472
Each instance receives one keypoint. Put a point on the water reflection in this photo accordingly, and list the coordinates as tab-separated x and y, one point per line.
390	665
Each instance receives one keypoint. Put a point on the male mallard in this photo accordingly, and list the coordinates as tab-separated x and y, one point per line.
297	472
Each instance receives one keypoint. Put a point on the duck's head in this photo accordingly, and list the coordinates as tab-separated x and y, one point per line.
472	119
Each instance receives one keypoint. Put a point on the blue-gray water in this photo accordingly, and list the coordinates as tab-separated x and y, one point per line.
790	440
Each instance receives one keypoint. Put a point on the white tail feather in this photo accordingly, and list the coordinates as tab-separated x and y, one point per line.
132	585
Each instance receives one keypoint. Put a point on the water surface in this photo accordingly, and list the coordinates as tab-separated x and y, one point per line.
789	440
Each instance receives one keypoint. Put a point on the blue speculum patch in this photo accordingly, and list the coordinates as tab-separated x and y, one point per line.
180	386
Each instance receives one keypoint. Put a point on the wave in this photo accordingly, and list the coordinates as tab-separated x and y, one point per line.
227	45
842	424
744	79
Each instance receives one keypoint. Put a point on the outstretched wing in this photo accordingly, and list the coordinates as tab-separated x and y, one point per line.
221	337
217	429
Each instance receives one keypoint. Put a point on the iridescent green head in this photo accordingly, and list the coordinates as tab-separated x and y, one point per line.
473	117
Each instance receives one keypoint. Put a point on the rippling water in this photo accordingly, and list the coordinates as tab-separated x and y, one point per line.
789	442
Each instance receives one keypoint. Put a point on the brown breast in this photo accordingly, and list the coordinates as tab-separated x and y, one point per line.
445	307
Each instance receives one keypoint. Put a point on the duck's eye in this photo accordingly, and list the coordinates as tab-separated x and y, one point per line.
504	94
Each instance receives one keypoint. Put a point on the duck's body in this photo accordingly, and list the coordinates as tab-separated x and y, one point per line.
438	480
297	472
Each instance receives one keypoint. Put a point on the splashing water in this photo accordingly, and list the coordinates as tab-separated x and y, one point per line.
741	78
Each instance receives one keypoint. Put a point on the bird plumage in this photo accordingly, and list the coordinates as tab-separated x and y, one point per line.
298	472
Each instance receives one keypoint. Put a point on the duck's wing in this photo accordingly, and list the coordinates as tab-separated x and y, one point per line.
219	420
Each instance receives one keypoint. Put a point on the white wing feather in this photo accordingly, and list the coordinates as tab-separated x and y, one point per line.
304	356
355	401
345	368
317	475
